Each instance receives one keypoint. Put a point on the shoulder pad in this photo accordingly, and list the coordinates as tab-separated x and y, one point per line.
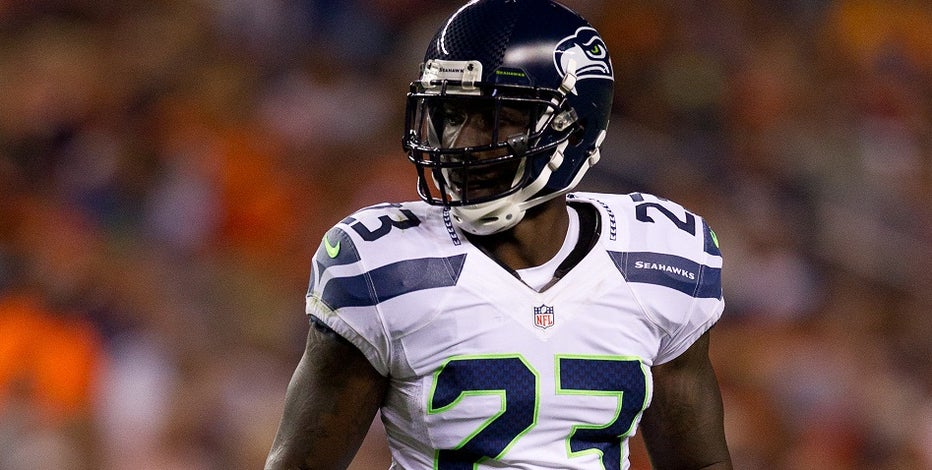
382	252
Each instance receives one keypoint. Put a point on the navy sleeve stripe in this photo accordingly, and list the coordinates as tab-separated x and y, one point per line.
671	271
392	280
710	241
336	248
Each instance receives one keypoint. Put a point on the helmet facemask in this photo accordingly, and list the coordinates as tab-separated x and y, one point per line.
516	137
471	148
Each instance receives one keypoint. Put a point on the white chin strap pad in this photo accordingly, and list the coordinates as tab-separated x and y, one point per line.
487	218
502	214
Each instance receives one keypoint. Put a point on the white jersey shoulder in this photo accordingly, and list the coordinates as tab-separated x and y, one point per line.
670	258
668	255
377	254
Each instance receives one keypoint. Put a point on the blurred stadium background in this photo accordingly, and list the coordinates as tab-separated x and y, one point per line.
168	167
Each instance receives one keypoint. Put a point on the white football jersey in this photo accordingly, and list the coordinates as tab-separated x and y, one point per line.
489	373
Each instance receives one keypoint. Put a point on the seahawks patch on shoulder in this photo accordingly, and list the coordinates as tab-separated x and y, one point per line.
681	274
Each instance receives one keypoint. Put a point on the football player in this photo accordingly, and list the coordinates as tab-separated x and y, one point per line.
504	321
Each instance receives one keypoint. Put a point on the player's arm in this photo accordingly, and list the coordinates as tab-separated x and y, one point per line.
331	400
683	427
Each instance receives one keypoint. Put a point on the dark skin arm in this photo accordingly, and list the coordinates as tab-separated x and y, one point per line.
683	427
331	401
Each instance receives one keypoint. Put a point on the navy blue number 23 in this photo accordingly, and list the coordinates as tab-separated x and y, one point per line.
517	383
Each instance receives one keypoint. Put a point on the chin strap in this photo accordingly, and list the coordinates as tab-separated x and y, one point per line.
502	214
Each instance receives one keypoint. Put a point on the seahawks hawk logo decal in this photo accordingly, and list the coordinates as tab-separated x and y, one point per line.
588	51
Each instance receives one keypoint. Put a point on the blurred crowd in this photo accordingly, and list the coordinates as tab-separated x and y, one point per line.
168	167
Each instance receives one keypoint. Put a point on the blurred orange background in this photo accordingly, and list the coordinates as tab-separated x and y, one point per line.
167	169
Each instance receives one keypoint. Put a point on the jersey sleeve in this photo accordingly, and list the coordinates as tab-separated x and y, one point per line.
672	262
700	302
706	305
341	293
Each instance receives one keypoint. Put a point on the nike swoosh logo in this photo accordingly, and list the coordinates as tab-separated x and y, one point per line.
332	250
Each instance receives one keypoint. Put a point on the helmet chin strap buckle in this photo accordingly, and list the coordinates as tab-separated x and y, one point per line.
595	155
569	80
564	120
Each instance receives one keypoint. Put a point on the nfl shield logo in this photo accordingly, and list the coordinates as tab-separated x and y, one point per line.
543	317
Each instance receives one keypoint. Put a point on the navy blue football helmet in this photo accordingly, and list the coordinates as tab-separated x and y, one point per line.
512	103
